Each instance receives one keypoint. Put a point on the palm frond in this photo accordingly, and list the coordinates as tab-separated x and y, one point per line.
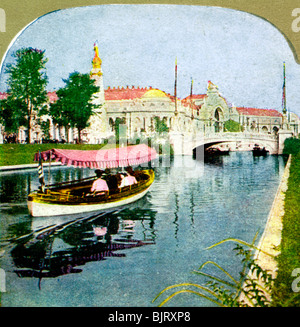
241	242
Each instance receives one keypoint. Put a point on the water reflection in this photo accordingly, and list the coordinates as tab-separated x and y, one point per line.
138	251
15	189
216	161
48	248
60	250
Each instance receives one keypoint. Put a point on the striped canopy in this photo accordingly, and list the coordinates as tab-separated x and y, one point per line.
108	158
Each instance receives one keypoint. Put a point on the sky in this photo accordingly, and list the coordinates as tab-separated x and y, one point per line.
138	44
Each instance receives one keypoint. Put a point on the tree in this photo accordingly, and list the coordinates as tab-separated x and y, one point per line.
232	126
45	127
291	146
160	125
60	115
10	118
74	106
26	87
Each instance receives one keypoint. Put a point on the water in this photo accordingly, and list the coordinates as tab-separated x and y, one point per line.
139	251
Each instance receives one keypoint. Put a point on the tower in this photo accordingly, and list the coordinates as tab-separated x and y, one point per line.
97	75
98	128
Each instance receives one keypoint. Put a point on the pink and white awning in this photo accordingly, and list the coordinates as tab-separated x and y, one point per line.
104	158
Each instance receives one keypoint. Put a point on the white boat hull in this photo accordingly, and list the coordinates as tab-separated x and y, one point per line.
37	209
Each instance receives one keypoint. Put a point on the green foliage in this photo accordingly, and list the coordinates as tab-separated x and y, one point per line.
291	146
232	126
45	127
26	88
289	258
160	126
227	291
74	106
11	118
58	113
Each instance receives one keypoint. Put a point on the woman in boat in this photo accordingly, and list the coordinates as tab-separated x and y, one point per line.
127	180
99	186
135	173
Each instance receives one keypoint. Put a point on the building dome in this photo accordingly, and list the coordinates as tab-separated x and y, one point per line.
154	93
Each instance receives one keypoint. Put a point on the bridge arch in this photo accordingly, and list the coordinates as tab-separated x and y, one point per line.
201	142
272	147
189	143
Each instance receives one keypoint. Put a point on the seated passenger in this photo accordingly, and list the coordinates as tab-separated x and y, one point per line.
112	181
99	186
131	172
127	180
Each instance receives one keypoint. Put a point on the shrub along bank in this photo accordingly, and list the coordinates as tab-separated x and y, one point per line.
286	286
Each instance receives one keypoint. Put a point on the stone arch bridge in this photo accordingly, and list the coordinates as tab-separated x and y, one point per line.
186	144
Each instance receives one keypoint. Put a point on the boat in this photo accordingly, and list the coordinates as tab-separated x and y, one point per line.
211	152
258	151
75	197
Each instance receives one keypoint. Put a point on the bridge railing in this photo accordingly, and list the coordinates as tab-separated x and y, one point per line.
238	135
185	143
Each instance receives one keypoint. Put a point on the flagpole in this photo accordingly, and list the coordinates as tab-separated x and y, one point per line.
191	97
175	87
284	91
41	173
49	173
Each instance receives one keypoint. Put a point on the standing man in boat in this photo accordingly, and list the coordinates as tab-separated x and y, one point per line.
99	186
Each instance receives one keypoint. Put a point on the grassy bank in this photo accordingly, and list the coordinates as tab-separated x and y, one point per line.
289	258
20	154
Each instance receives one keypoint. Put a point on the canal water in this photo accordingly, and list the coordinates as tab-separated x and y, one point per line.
125	258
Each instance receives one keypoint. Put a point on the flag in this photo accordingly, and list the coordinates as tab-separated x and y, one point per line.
283	92
41	173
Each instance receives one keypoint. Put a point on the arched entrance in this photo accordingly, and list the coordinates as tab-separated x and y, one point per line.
138	124
111	124
218	119
275	130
